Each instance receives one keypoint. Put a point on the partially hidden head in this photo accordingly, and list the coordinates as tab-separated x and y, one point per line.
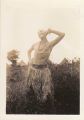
42	34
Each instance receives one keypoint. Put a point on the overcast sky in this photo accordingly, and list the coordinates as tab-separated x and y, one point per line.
23	19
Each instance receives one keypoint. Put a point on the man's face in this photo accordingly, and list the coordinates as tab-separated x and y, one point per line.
41	34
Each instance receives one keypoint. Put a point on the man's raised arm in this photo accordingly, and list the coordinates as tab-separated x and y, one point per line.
58	39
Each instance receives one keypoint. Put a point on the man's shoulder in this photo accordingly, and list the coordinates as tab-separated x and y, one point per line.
37	43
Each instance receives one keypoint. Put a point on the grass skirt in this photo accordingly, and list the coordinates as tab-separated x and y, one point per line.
41	82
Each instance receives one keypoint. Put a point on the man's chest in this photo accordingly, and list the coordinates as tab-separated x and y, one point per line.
42	48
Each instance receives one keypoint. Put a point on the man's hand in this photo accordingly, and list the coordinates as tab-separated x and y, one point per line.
49	30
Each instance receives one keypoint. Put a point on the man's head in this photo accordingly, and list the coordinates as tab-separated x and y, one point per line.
42	34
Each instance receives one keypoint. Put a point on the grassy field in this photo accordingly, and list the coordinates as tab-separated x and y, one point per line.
66	79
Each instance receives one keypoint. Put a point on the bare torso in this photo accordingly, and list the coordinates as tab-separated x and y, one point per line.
41	53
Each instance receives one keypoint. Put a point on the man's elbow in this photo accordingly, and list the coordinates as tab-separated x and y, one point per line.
63	34
29	52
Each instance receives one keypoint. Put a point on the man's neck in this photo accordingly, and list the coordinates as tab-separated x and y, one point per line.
44	41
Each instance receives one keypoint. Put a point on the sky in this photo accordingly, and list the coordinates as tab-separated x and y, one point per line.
23	18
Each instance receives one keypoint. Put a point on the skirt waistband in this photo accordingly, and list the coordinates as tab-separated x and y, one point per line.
39	66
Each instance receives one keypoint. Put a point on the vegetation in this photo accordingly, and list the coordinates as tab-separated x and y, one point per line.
66	79
13	56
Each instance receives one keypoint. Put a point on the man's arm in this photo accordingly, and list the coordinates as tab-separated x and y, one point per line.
30	51
58	39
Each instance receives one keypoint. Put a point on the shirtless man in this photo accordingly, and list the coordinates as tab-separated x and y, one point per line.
39	75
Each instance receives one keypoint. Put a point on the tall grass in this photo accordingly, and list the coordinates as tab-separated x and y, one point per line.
66	79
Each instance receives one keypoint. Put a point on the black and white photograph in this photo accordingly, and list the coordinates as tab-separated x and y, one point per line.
41	48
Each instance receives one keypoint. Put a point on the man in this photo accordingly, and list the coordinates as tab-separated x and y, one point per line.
39	75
